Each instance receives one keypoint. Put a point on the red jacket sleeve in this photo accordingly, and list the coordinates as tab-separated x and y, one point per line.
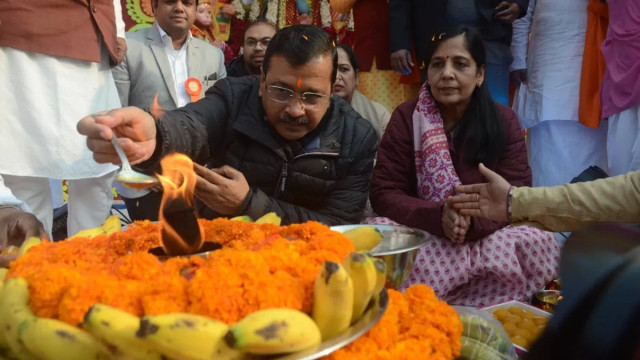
393	186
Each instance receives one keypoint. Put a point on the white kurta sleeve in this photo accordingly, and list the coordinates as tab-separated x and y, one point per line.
117	7
520	39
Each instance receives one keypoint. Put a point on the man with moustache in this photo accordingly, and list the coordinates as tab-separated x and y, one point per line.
278	143
254	44
167	63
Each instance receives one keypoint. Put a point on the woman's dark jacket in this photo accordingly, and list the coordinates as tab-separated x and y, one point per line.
324	178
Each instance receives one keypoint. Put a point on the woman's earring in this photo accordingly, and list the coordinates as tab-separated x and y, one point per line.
479	83
428	83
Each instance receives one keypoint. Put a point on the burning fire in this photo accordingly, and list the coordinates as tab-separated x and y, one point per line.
181	233
156	110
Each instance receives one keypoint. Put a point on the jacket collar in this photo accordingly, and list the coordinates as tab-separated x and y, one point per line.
154	41
252	122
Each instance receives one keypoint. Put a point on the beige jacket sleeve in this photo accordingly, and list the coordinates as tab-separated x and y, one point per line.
571	206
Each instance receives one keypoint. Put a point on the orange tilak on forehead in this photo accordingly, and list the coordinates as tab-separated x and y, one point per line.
299	83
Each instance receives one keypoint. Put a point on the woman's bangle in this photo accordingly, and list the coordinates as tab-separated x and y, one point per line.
509	195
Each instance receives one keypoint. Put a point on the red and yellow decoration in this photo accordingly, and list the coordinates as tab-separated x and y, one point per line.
194	88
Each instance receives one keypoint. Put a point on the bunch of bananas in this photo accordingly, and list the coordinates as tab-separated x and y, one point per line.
110	333
342	292
110	226
483	340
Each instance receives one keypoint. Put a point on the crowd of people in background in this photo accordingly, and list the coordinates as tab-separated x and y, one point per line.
281	118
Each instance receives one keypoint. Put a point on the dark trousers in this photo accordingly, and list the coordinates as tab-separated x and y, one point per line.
144	208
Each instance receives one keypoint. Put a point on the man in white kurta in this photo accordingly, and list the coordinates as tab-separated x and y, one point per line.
43	97
559	147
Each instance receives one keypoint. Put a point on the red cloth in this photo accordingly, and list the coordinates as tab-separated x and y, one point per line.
69	29
371	34
394	184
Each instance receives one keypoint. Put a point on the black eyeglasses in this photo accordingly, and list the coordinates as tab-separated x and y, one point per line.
284	95
254	42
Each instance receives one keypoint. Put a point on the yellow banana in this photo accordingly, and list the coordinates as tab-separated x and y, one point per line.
243	218
364	237
28	244
274	331
51	339
15	311
363	274
117	330
332	300
381	275
269	218
111	225
4	345
88	233
186	336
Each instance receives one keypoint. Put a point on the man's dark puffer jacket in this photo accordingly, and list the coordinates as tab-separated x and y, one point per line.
327	181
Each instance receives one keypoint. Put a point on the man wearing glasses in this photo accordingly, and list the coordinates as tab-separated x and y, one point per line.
254	44
276	143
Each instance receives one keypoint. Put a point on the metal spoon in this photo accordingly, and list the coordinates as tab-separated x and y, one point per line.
127	176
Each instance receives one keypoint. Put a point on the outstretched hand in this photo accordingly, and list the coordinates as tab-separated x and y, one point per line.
134	128
488	200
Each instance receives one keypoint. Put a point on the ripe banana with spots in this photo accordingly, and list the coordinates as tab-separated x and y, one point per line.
186	336
332	300
14	311
363	274
117	330
51	339
274	331
364	238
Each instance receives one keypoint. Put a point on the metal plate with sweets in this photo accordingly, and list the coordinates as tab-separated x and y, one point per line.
374	312
398	249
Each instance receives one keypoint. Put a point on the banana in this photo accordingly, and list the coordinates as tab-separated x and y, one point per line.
28	244
88	233
381	274
186	336
363	274
51	339
112	225
269	218
243	218
15	311
4	345
332	300
364	237
3	274
274	331
117	330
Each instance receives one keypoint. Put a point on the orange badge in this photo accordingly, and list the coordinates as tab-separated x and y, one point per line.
194	87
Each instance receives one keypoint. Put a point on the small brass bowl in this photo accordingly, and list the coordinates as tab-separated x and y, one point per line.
398	249
546	300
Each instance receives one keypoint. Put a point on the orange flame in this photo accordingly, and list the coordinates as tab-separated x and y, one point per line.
156	110
179	181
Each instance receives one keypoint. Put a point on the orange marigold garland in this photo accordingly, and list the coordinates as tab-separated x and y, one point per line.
414	323
260	266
